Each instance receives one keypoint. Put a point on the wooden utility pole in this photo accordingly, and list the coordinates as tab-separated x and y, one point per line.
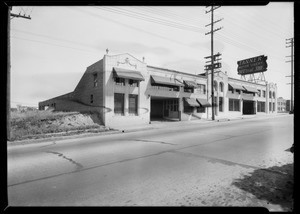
291	42
9	15
212	53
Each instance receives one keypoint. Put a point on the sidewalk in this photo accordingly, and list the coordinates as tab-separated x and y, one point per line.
163	124
152	125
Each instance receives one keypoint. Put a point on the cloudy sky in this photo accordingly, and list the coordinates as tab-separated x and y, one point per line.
50	52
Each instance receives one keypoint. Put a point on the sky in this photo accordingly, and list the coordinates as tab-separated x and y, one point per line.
51	51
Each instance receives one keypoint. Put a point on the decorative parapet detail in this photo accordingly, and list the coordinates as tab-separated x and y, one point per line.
127	62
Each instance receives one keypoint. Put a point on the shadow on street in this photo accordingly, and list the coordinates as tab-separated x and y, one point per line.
274	184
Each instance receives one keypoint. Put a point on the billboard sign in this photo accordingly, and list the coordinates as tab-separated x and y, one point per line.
252	65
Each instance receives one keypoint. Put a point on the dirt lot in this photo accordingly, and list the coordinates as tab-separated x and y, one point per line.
42	124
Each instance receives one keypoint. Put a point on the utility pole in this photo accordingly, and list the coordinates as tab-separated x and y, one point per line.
212	52
291	43
9	65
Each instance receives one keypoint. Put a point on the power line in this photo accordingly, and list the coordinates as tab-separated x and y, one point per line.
54	44
151	19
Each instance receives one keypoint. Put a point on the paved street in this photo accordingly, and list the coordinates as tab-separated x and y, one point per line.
182	164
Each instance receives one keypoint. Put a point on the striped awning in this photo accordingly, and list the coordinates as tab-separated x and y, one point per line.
165	80
190	84
191	102
235	86
203	102
250	89
128	74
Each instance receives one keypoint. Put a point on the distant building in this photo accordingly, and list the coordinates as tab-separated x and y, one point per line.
124	91
281	104
288	105
21	108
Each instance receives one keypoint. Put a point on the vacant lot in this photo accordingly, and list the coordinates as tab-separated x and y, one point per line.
40	124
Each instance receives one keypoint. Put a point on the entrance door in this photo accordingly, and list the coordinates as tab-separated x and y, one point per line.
248	107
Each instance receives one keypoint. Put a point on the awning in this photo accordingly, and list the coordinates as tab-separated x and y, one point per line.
235	86
250	89
165	81
128	74
190	84
203	102
191	102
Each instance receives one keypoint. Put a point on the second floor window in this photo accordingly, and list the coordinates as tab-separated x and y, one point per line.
95	79
259	93
189	90
133	83
119	81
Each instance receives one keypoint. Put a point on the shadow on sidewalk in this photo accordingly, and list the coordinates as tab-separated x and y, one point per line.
274	184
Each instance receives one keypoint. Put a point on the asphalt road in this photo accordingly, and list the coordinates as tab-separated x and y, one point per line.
186	164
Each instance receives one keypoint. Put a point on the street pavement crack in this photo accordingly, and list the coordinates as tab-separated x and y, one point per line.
78	165
215	160
153	141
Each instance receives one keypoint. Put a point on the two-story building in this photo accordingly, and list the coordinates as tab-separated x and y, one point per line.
124	91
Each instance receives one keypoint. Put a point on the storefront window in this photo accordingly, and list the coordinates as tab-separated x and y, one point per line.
260	106
234	105
200	110
119	104
220	103
133	104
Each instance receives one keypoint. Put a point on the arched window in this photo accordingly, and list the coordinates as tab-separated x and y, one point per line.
221	87
215	86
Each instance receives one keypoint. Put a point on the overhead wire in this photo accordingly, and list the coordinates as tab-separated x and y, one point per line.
197	29
43	42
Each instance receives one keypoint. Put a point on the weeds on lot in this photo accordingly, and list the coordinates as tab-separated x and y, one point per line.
28	124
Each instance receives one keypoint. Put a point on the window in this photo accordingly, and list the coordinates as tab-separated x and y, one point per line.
273	106
264	93
92	98
270	94
95	79
215	86
230	88
234	105
202	88
133	83
119	103
220	103
259	93
133	104
270	106
260	106
221	87
238	91
189	90
274	94
188	109
119	81
200	109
